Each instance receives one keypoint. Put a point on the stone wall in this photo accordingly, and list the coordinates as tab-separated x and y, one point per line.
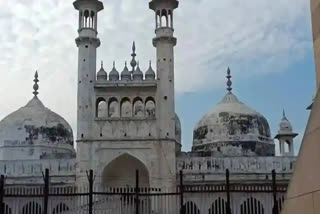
30	171
210	169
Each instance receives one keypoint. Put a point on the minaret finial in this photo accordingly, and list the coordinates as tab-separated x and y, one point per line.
35	85
133	62
114	63
101	63
149	63
284	115
229	82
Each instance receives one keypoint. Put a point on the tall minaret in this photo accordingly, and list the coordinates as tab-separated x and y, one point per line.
164	42
87	43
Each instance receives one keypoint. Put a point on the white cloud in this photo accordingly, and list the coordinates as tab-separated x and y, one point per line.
262	35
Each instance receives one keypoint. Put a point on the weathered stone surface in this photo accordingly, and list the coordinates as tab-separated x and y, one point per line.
233	129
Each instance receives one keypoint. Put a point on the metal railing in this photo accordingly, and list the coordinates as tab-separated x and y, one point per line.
91	199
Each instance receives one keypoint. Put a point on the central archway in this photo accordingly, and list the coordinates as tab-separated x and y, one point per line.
121	172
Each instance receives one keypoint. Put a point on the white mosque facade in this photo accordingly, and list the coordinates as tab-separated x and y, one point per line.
126	121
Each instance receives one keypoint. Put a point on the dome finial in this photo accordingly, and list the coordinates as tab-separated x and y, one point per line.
284	115
229	82
101	63
114	63
35	85
133	62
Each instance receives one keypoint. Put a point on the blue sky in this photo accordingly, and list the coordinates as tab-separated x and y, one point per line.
269	94
266	43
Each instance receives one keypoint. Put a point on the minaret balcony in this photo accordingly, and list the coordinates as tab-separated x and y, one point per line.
87	32
164	32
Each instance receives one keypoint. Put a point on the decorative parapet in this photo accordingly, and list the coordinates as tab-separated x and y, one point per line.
209	165
34	168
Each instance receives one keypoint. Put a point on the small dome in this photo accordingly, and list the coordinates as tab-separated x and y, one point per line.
232	128
177	128
137	74
125	74
285	126
150	74
114	74
40	132
102	74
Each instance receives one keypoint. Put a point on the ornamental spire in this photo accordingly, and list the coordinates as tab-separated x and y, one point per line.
229	82
35	85
133	62
284	115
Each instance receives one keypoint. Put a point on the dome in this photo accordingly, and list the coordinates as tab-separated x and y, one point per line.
33	126
125	74
232	128
114	74
177	128
102	74
34	132
137	74
285	126
150	74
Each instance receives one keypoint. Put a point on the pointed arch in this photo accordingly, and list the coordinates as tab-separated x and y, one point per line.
252	206
7	209
113	107
219	206
60	208
138	107
31	208
101	108
190	208
121	172
164	18
158	19
170	19
126	107
150	107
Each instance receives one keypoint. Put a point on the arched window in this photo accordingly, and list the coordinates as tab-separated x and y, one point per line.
219	206
31	208
113	107
164	18
138	107
252	206
190	208
101	108
92	19
158	18
86	18
60	208
150	108
80	19
7	209
126	108
170	20
287	146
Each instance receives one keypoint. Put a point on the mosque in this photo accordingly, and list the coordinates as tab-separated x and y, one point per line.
126	120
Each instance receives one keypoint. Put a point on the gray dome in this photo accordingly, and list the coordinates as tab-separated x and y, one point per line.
285	126
125	74
137	74
233	129
102	74
150	74
35	132
114	74
177	128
